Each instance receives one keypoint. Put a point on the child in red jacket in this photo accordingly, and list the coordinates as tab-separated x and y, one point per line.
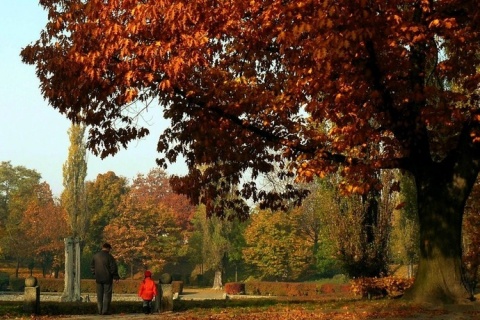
147	291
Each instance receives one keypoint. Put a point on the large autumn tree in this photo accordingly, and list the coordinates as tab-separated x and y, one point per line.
147	232
247	84
276	245
17	188
44	226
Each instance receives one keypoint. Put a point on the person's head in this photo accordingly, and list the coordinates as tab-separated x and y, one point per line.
106	247
148	274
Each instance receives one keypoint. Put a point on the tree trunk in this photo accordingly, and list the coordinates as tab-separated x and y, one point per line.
17	268
217	280
68	280
441	196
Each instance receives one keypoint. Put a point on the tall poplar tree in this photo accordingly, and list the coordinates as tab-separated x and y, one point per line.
74	203
74	174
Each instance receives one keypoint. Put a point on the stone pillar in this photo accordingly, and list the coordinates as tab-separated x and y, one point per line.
166	298
158	298
31	296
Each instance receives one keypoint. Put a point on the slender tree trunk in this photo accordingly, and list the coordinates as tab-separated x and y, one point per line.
17	268
441	200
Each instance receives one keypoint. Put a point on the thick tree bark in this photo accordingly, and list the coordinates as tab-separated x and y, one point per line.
441	194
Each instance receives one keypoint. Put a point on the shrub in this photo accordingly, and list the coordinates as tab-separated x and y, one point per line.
295	289
380	287
17	284
122	271
177	287
4	281
327	288
165	278
235	288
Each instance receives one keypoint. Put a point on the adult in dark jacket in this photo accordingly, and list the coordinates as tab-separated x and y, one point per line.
105	269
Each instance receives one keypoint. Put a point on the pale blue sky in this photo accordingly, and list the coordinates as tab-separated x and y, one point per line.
33	134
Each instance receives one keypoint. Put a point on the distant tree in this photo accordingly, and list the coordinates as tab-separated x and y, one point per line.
104	195
235	261
276	246
146	231
314	212
17	188
214	243
44	225
183	209
405	233
360	226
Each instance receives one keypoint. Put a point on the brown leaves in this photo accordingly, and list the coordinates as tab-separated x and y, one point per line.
151	219
44	223
242	80
330	310
391	286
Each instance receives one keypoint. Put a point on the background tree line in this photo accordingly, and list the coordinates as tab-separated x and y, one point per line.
152	227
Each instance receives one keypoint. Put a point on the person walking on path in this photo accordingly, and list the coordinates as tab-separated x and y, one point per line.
104	268
147	291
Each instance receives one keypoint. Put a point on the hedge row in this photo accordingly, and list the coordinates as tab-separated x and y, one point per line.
364	287
289	289
87	285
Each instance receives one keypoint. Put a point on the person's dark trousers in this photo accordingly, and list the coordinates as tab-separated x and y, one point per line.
104	297
147	306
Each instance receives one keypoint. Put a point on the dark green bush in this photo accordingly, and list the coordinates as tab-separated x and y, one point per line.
15	308
17	284
165	278
4	281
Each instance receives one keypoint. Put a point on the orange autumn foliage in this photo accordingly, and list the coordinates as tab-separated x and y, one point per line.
45	225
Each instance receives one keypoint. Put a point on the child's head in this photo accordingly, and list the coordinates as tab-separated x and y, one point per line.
148	274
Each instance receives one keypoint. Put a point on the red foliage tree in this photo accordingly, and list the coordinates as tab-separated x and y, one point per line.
248	84
148	229
45	226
